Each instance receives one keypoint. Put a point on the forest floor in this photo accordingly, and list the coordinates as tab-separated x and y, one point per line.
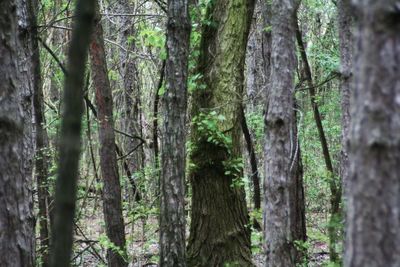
143	248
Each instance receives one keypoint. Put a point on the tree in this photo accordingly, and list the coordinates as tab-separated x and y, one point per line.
345	22
112	206
284	217
131	107
219	232
173	157
16	218
335	188
70	136
41	140
373	199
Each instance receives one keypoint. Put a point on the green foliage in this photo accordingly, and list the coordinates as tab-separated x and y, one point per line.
154	38
233	167
302	247
194	83
107	244
207	125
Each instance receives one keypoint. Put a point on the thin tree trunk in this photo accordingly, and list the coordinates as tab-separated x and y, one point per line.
70	140
41	140
219	234
131	111
16	219
373	215
112	206
335	188
155	126
282	155
346	58
253	161
173	156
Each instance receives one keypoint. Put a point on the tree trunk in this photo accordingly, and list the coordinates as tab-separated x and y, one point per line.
219	232
253	162
70	140
281	145
131	111
373	217
41	140
173	157
346	58
112	206
16	219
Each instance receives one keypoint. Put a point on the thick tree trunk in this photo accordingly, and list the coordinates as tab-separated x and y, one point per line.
16	219
41	140
373	217
173	157
346	57
112	206
284	221
218	233
70	136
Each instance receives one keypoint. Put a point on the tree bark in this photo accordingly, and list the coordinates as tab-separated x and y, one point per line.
345	17
218	233
112	206
70	140
16	218
373	217
253	161
284	221
41	141
173	157
131	112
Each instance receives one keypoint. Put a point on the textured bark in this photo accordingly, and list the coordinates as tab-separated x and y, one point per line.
345	17
373	217
16	219
112	206
173	157
255	76
335	189
283	217
41	142
218	233
70	136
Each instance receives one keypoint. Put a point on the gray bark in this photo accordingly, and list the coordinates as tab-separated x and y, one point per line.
373	216
16	219
281	144
173	157
345	23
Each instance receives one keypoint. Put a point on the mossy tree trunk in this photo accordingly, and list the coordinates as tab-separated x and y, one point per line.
219	232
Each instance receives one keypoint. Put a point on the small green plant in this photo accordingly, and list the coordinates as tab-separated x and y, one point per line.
106	243
207	125
302	247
